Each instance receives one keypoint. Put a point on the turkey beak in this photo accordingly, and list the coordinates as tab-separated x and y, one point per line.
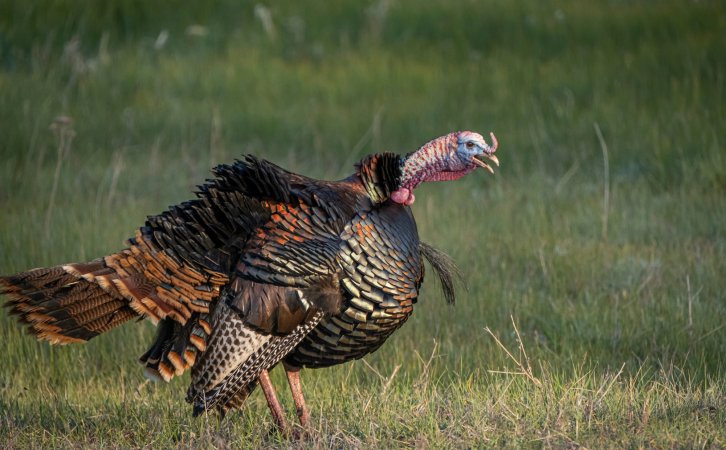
482	164
489	154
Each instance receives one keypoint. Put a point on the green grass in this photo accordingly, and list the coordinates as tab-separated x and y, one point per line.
620	304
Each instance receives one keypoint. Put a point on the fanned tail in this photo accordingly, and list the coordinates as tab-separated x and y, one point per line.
68	303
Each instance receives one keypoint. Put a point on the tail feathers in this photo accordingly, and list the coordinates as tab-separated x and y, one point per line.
62	306
176	347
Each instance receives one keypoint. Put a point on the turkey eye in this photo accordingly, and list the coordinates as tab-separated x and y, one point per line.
469	145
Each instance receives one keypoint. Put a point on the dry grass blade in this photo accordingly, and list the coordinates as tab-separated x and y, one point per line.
522	362
604	389
423	379
385	380
606	180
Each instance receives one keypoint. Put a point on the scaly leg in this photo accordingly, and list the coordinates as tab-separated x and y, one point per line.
293	377
278	414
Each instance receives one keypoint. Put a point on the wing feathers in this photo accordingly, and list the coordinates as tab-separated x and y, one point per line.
61	305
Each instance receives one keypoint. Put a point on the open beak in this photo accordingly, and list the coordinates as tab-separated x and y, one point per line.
482	164
489	155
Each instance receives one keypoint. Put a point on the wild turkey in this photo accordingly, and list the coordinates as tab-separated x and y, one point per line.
264	266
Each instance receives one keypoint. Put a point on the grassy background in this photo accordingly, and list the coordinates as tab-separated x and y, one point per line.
601	237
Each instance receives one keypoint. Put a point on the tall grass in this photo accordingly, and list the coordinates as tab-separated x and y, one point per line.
601	237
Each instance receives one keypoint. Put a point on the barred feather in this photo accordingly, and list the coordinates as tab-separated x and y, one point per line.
61	306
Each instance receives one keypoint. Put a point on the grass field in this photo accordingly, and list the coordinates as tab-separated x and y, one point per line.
599	247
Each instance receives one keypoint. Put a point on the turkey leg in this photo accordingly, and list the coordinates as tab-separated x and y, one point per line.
278	414
293	377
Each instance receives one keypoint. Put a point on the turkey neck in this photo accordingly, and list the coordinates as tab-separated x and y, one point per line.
428	163
383	173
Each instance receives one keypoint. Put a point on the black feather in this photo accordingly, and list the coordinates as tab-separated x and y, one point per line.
445	268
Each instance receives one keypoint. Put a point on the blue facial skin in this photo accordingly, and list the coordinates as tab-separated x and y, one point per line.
472	147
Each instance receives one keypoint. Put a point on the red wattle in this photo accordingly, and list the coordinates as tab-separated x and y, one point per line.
402	196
